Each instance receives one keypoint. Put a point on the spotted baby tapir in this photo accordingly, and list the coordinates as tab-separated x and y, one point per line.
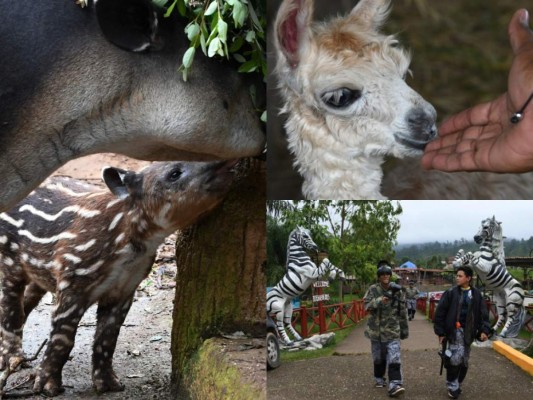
89	245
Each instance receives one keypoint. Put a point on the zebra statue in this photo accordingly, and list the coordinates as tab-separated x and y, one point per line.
507	291
301	273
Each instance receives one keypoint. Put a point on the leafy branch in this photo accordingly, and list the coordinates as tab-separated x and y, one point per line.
226	28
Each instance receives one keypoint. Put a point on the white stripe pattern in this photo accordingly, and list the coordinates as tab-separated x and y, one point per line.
83	212
115	221
86	246
91	269
72	257
9	220
51	239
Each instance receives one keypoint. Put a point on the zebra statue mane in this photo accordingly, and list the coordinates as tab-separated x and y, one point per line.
489	264
297	236
301	272
497	240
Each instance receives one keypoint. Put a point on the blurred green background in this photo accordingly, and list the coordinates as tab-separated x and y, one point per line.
461	57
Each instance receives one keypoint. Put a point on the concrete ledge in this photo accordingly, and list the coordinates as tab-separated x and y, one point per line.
518	358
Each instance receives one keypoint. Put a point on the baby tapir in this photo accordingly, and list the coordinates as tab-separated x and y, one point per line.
92	245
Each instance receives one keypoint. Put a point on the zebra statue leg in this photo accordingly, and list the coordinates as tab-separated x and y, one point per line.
276	306
499	297
516	313
287	320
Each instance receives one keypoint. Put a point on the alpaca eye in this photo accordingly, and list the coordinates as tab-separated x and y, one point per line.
341	98
174	175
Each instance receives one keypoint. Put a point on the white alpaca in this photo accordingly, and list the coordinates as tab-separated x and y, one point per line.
349	107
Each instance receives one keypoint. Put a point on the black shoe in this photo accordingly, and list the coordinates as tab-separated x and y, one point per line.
453	394
396	391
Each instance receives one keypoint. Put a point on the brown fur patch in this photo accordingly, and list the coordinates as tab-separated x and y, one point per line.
338	40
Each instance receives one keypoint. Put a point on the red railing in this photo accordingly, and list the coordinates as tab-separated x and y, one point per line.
422	305
327	317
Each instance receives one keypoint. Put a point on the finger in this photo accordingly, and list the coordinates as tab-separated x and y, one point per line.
519	32
452	161
477	115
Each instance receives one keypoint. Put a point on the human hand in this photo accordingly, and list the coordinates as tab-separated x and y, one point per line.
385	300
441	338
482	138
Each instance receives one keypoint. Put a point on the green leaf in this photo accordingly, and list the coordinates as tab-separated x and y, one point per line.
237	44
239	58
159	3
192	31
169	11
211	9
214	47
203	43
249	66
264	117
188	57
240	12
222	30
250	36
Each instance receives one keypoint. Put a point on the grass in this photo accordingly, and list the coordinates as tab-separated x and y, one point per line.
327	351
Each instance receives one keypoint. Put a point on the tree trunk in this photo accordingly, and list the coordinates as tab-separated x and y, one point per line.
220	284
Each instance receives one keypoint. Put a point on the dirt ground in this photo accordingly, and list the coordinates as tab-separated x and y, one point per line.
142	359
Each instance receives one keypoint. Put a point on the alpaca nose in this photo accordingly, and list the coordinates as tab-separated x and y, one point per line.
422	123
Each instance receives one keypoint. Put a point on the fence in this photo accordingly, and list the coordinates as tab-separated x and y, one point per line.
327	317
428	308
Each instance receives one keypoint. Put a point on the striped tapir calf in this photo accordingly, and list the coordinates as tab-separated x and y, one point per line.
104	78
89	245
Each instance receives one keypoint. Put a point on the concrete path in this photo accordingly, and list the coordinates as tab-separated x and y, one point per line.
348	374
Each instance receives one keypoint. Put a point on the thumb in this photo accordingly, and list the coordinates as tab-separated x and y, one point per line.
519	32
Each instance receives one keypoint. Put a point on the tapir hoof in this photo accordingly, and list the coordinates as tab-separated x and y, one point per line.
107	382
48	386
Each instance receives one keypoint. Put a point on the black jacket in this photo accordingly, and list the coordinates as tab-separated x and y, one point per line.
447	311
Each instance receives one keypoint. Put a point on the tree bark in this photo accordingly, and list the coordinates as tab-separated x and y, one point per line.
220	284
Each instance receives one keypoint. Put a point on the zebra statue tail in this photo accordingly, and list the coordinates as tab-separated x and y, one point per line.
514	324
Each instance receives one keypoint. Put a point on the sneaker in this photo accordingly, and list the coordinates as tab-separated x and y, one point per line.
453	394
379	384
396	391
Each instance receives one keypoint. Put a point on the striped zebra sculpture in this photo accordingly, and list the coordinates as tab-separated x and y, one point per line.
489	264
301	273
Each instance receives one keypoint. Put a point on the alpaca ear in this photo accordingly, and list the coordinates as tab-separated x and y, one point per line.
371	14
292	29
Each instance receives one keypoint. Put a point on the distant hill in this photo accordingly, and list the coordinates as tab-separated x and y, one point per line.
426	251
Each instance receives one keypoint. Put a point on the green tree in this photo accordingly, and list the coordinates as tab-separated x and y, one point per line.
356	234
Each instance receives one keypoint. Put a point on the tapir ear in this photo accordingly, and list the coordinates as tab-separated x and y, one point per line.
371	14
293	29
129	24
117	180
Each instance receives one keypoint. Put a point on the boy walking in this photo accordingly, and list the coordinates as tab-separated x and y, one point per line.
461	317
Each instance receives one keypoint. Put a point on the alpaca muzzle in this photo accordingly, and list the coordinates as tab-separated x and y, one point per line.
421	129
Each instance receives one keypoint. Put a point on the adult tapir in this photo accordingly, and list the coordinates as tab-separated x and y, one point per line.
105	78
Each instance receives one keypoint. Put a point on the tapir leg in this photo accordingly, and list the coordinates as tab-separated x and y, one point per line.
32	296
65	321
110	316
12	317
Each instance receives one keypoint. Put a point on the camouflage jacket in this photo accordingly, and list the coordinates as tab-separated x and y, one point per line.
411	293
385	321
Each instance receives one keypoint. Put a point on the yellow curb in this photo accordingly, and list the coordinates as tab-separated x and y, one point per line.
518	358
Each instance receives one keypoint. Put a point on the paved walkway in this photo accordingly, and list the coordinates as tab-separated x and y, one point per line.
348	374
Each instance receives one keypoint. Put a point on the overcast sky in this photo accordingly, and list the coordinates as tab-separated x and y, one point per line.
449	220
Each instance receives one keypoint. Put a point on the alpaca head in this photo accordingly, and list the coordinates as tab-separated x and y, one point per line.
344	78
